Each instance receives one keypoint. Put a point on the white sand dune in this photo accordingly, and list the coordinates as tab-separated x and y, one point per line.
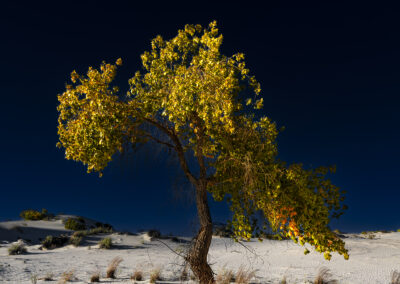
371	260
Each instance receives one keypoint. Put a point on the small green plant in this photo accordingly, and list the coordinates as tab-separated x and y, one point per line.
74	224
155	275
105	243
16	249
112	267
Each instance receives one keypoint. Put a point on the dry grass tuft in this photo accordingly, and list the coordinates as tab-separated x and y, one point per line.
95	277
243	276
283	281
225	276
323	277
137	275
155	275
395	278
67	276
112	267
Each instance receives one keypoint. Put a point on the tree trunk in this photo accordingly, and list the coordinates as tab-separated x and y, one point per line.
197	257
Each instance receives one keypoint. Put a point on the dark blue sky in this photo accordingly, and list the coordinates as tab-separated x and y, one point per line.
329	74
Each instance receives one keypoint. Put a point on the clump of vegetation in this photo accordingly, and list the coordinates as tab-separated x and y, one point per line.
35	215
105	243
18	248
137	275
75	240
155	275
323	277
67	276
102	225
112	267
95	277
52	242
243	276
100	230
75	224
153	233
225	276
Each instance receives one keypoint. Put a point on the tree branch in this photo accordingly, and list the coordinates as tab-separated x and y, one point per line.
159	141
178	148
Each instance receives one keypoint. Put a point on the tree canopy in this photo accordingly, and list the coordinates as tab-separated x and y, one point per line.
196	101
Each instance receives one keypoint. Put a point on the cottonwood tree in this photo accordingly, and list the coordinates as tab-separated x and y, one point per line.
198	102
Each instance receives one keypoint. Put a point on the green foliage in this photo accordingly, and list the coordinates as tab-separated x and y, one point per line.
52	242
16	249
75	240
34	215
105	243
74	224
194	97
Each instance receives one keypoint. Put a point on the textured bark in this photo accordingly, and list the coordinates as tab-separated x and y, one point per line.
197	257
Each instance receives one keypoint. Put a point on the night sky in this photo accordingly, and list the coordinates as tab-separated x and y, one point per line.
329	73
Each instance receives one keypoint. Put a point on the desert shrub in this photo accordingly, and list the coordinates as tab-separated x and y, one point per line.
137	275
80	219
243	276
51	242
75	240
100	230
112	267
105	243
16	249
155	275
74	224
153	233
95	277
78	234
33	214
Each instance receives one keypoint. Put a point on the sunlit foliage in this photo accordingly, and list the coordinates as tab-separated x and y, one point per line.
205	103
